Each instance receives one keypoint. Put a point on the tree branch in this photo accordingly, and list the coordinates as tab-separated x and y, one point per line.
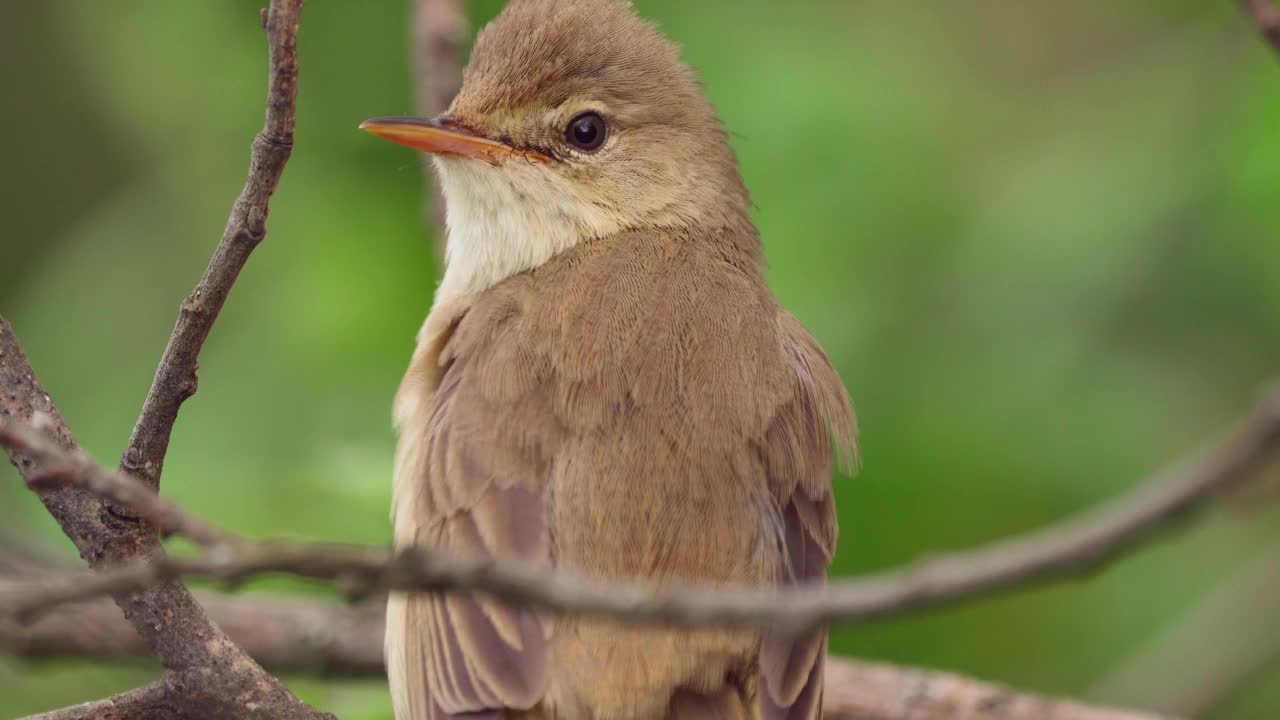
175	378
439	32
284	635
1266	16
206	674
149	702
1076	545
296	636
858	690
60	466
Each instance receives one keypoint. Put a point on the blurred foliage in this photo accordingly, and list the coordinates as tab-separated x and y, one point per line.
1037	239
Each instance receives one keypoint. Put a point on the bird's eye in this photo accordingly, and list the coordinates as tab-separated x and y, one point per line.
587	132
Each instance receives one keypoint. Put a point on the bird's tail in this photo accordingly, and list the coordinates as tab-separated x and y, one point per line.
725	705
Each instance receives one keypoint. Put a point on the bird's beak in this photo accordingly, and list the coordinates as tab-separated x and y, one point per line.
446	136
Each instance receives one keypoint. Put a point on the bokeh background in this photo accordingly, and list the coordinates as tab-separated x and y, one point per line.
1038	239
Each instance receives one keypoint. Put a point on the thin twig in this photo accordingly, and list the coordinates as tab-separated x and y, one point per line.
440	30
321	638
206	674
61	467
1076	545
149	702
1267	17
176	378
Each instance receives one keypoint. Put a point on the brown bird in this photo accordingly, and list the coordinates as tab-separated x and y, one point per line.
604	385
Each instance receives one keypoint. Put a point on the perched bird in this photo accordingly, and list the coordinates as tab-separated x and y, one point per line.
604	385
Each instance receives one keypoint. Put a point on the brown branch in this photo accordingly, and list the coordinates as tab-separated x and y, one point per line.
439	33
283	635
62	467
149	702
1076	545
175	378
297	636
23	398
858	690
1266	16
440	30
205	672
1072	546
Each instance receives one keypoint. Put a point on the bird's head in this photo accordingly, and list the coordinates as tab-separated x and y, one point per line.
576	120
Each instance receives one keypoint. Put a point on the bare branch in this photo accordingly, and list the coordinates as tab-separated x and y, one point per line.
205	673
439	32
61	467
23	398
1076	545
321	638
175	378
1267	17
218	678
149	702
857	690
284	635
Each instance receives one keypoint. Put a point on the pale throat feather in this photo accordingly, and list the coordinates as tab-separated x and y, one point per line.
509	218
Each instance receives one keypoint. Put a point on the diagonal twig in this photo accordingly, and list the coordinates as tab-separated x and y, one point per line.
1075	545
175	379
149	702
60	467
206	674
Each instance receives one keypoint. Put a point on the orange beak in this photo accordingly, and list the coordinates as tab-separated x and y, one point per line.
446	136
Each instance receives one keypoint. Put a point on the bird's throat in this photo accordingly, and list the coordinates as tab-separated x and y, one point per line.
507	219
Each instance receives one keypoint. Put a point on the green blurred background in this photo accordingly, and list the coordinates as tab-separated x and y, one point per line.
1037	239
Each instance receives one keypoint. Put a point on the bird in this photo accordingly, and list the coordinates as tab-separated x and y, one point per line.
604	386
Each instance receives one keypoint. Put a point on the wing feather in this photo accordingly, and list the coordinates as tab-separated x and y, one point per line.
526	388
798	449
473	483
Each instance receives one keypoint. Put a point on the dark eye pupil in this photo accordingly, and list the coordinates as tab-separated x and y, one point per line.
586	132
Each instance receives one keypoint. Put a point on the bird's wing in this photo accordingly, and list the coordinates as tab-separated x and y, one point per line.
474	483
798	449
630	340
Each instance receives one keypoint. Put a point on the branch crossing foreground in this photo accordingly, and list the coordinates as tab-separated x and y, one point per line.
1075	545
115	517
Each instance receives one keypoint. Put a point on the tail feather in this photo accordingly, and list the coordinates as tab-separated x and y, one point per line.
691	705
